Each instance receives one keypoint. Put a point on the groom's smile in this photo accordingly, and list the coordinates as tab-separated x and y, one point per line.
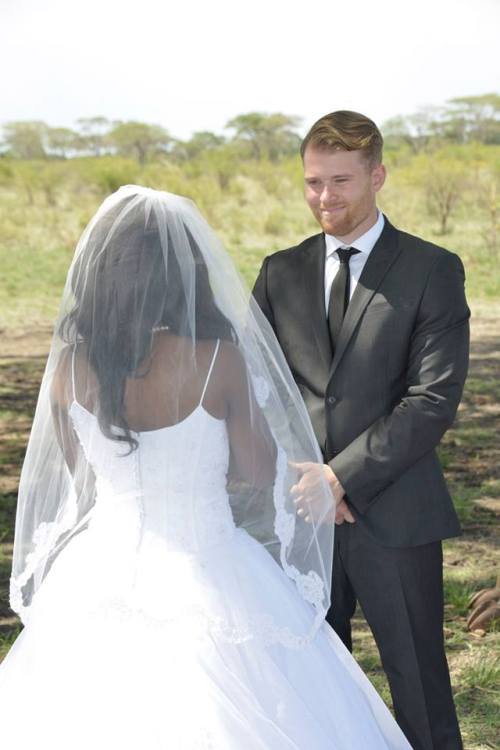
340	189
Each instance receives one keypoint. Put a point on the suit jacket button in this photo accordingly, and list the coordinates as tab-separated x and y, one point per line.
331	400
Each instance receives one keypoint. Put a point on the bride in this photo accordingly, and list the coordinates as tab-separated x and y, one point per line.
172	591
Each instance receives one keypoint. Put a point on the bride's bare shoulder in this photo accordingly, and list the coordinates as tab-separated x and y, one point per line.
230	353
232	367
72	366
62	376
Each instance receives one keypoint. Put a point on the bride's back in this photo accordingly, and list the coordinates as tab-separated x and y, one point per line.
169	384
172	485
176	385
176	382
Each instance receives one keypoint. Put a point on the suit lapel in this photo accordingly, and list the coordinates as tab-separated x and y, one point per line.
314	282
383	255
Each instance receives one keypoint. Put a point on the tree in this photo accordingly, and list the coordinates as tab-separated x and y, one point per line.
199	143
93	134
474	118
396	131
488	196
269	135
25	139
443	178
463	119
139	140
417	130
61	141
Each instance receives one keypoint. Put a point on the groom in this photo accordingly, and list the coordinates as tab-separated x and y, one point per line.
374	325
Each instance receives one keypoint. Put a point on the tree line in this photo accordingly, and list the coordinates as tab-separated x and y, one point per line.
254	135
467	119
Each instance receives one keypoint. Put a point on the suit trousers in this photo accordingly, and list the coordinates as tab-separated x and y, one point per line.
400	591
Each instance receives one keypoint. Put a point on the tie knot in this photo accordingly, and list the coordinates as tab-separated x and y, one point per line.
345	253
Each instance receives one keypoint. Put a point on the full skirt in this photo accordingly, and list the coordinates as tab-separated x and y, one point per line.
89	672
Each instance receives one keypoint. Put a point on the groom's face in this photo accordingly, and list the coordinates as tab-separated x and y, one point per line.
341	188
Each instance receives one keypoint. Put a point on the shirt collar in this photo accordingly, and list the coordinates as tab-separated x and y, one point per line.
364	244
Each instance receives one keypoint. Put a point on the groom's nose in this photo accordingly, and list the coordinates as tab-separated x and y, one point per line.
328	194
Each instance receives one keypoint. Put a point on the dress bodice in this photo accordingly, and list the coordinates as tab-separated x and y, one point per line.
175	479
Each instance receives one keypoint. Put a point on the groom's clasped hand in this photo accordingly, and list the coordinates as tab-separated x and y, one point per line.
309	496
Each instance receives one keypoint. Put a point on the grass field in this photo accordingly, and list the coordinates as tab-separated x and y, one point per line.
34	255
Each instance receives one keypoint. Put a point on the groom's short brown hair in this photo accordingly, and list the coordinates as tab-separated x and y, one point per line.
346	131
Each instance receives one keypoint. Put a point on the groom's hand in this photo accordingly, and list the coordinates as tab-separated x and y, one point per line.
309	492
343	514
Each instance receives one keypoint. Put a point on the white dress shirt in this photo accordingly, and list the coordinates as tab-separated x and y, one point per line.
364	244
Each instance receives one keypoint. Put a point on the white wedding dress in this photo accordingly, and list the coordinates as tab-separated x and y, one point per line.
116	652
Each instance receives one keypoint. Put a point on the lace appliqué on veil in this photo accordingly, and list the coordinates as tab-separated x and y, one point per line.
261	389
44	540
310	586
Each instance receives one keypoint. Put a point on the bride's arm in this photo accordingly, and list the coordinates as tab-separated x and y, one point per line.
253	449
60	400
61	397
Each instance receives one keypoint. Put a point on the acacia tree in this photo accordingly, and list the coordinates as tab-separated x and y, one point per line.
25	139
444	179
199	143
268	135
417	130
396	131
474	118
139	140
461	120
61	141
93	133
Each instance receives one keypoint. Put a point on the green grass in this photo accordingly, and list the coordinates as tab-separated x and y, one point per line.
7	638
458	592
481	673
484	386
260	210
463	499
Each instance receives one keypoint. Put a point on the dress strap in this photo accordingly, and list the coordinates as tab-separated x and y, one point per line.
209	371
73	372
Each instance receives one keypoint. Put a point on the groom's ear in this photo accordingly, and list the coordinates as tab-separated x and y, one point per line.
379	174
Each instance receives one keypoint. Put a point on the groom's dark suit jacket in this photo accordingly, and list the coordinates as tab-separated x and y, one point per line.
380	406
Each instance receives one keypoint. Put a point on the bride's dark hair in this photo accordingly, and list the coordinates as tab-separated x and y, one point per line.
124	287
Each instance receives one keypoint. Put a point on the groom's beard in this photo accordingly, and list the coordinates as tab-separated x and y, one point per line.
345	220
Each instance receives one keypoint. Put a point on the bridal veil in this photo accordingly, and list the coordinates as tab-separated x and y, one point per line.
149	265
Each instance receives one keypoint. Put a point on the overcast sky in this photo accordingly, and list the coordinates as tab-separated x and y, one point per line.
192	66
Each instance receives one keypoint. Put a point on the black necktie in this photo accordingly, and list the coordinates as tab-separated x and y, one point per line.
339	295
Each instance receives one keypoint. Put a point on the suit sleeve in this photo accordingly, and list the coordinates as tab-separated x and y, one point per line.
436	372
260	293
